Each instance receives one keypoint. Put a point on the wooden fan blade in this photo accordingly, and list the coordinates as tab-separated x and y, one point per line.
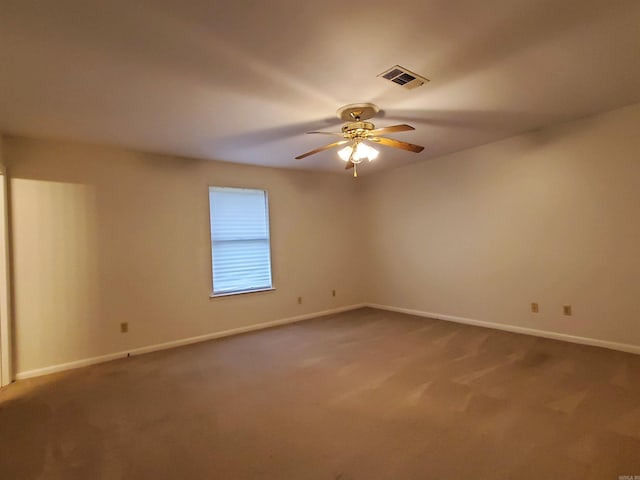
326	147
393	128
330	133
390	142
349	165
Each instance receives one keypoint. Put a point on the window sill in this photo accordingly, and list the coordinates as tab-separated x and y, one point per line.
244	292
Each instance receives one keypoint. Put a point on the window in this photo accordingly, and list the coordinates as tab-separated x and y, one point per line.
239	240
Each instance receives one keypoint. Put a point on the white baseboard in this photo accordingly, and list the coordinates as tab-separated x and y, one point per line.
594	342
623	347
178	343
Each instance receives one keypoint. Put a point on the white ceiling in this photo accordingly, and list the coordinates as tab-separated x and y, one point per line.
243	81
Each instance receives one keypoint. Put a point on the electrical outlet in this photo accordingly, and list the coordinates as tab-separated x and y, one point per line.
534	307
299	300
333	293
124	327
566	309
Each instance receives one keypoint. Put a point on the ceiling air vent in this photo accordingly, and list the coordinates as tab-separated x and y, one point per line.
403	77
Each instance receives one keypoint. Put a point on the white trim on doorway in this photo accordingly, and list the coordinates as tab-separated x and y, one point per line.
6	372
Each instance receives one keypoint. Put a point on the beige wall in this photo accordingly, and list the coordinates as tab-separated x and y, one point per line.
102	236
552	216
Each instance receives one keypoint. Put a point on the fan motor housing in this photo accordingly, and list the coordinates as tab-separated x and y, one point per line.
357	129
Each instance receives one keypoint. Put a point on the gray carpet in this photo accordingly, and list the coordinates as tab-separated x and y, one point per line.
360	395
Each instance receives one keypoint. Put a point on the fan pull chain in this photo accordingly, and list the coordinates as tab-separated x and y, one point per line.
355	170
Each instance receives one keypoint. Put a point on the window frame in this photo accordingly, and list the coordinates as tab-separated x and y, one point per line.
213	294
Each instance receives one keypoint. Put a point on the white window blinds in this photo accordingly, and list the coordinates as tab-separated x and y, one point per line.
239	240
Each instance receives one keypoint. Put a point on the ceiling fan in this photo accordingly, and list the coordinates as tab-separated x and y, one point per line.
357	131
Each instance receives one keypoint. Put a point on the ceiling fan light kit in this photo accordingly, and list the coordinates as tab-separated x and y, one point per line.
358	153
357	131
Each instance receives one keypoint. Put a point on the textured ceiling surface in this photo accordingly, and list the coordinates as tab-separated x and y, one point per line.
242	81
